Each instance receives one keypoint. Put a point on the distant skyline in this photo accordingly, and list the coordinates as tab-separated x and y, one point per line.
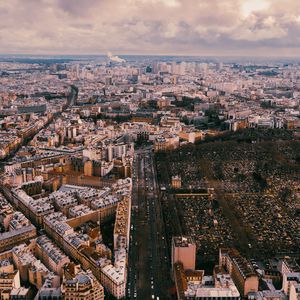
156	27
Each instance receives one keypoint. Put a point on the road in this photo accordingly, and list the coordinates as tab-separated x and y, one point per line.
149	261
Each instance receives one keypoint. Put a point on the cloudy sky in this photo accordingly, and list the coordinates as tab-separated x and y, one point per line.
179	27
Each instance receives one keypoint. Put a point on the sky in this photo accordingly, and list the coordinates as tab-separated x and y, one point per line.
157	27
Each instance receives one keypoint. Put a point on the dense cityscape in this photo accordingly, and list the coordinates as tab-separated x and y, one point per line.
149	150
149	178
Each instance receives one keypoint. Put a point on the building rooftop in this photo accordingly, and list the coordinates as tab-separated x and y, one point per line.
183	241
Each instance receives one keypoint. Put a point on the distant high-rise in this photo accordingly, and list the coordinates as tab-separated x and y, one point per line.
108	80
219	66
77	71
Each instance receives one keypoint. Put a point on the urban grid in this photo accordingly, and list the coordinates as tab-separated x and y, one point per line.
155	177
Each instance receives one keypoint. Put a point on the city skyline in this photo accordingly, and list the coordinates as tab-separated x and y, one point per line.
150	149
157	27
149	177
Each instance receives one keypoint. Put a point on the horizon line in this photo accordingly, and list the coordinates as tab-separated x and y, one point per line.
151	55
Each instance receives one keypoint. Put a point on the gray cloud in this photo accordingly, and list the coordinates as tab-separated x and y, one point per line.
199	27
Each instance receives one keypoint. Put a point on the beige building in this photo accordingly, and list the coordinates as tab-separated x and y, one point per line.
291	285
166	143
176	182
50	254
184	251
8	281
12	238
240	269
193	284
80	285
31	270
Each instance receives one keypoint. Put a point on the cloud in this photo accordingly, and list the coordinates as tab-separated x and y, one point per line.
198	27
249	7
